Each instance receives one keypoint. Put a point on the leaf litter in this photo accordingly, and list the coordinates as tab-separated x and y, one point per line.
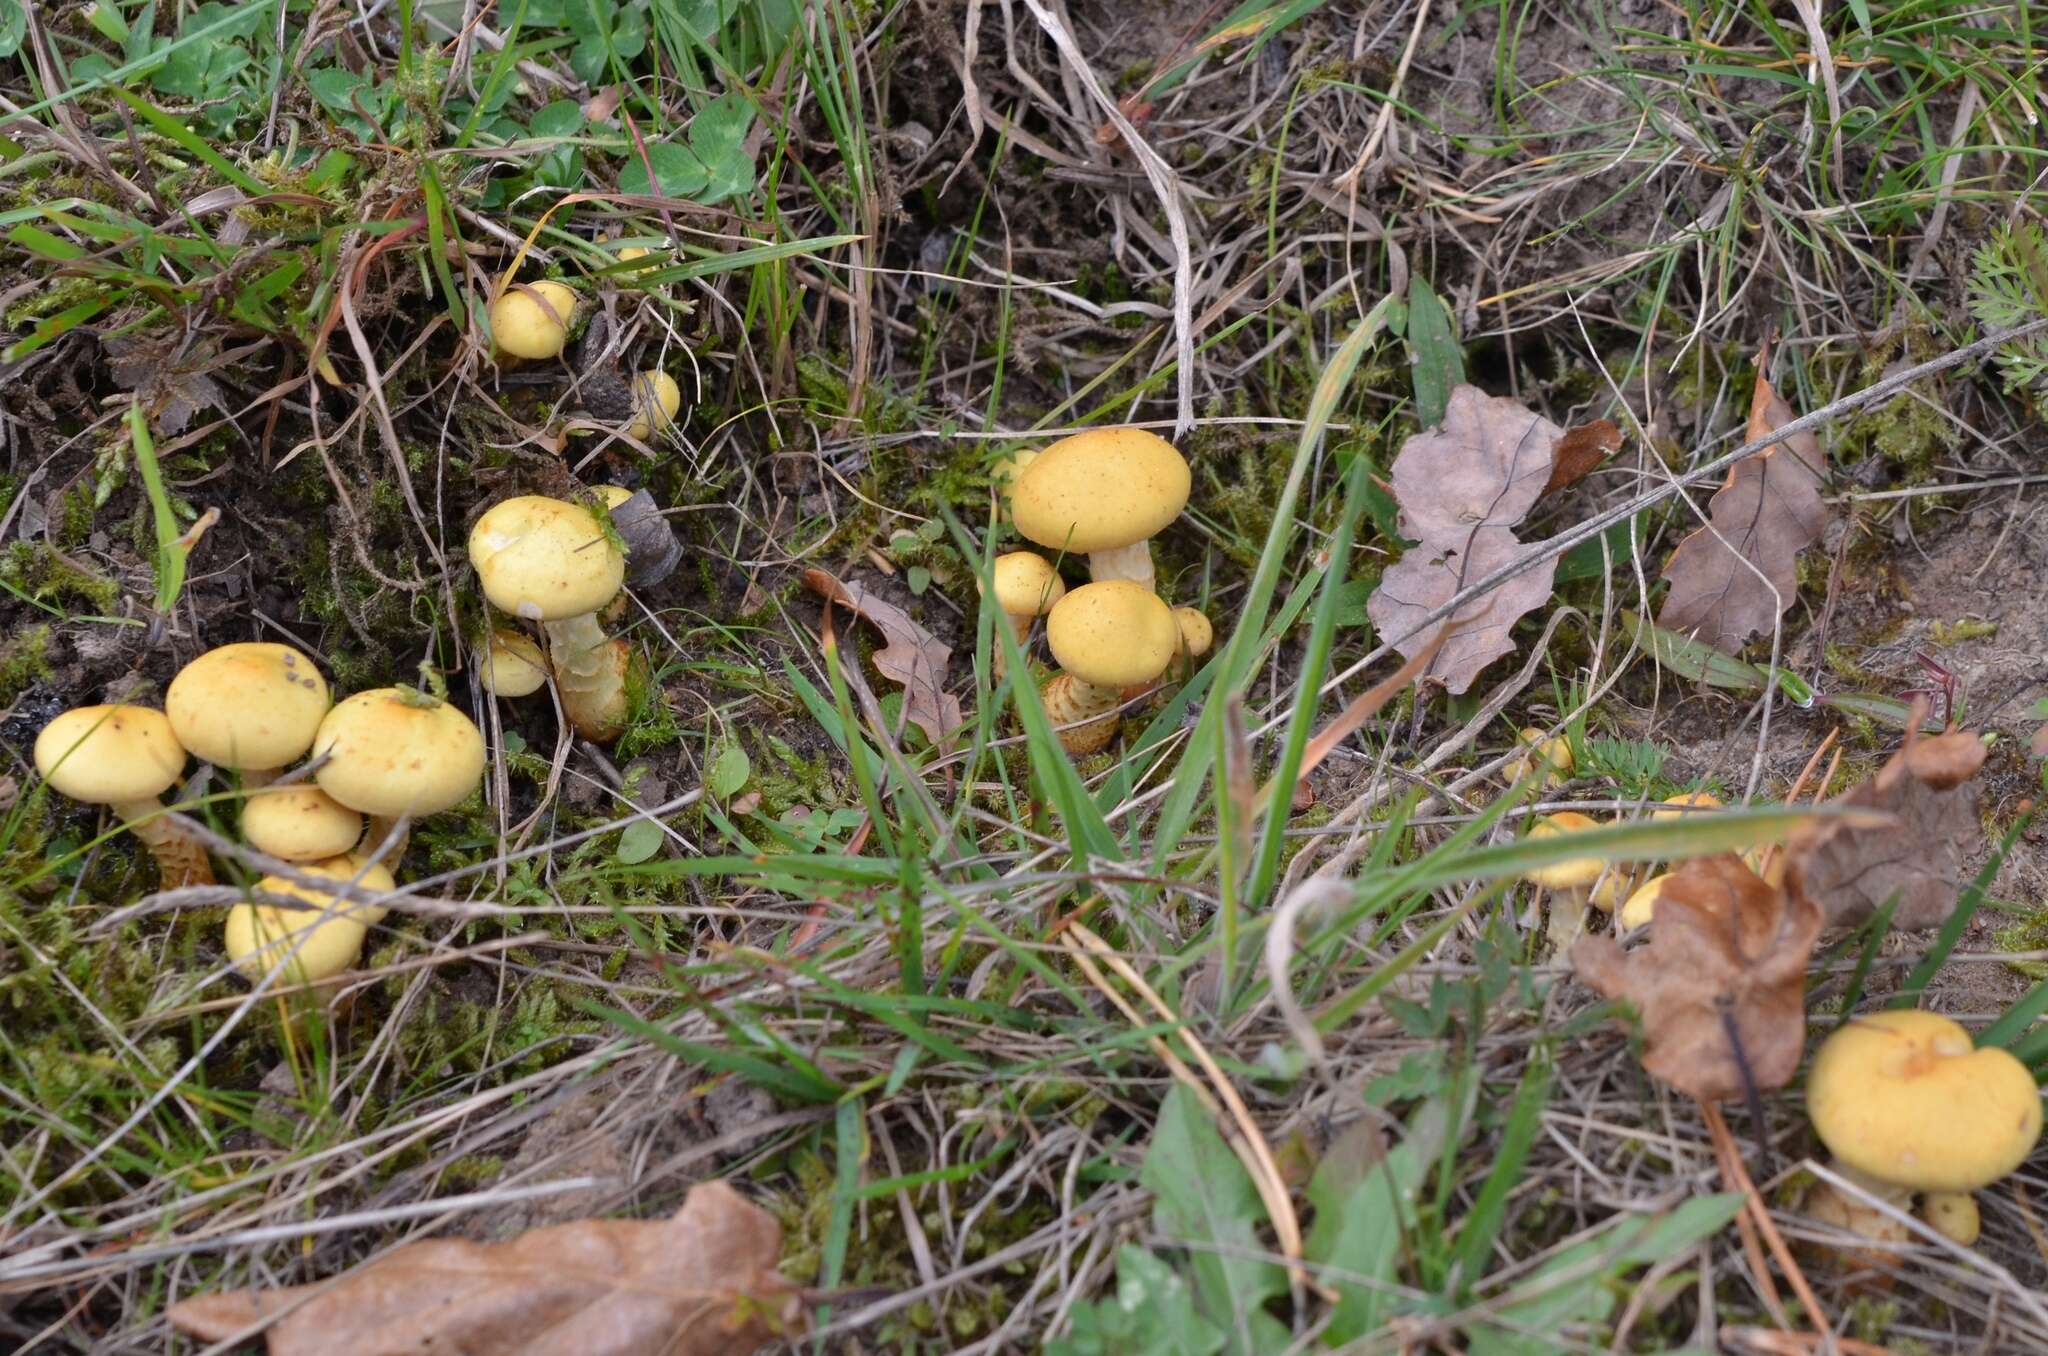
1737	573
1463	487
913	658
701	1283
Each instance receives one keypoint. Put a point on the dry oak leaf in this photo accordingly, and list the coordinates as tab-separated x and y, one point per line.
914	658
702	1283
1849	868
1726	950
1579	453
1733	576
1462	487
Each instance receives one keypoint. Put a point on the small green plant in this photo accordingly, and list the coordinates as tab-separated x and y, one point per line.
1633	765
2009	288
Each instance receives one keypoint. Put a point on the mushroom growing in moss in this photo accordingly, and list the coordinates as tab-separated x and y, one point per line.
394	753
124	757
1105	493
1906	1103
300	823
314	935
1106	637
513	665
656	399
1553	755
251	706
531	320
1027	587
553	562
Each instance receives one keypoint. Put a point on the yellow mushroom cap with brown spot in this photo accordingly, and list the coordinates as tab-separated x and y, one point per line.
1112	634
390	753
532	320
545	559
1026	584
250	705
1575	873
1905	1097
1196	632
514	666
300	823
109	755
1953	1215
1100	490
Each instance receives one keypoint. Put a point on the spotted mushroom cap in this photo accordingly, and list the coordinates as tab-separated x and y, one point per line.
1100	490
545	559
300	823
1026	584
249	705
1112	634
390	751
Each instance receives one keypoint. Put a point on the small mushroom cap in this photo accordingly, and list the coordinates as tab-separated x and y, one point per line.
397	753
320	945
1576	873
1642	904
300	823
1904	1097
656	398
108	755
613	495
1113	634
1196	634
515	666
250	705
1687	801
545	559
1010	469
532	321
1554	755
1100	490
1953	1215
1026	584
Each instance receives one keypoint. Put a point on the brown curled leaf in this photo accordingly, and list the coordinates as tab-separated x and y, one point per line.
1726	949
702	1283
1462	488
913	658
1849	868
1734	576
1579	453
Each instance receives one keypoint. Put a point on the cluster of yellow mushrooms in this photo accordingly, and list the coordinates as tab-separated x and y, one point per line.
378	761
1103	493
1904	1101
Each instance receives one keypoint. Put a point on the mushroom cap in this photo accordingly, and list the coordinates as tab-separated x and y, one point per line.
250	705
515	667
1686	800
393	753
1904	1097
1007	470
1641	906
1112	634
320	945
527	325
300	823
656	398
1953	1215
1026	584
545	559
1100	490
1576	873
108	755
1196	632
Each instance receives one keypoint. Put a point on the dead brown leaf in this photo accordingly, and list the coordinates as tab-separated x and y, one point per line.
702	1283
1849	868
1462	488
1726	949
1580	452
914	658
1733	576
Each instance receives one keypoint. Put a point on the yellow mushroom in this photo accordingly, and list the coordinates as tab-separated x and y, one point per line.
656	398
1575	882
1641	905
1554	754
124	757
1027	587
300	823
1953	1215
393	752
531	320
316	935
1103	493
1106	636
514	666
252	707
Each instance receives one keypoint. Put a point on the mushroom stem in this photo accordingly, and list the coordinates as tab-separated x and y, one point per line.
377	829
180	858
1084	716
590	670
1133	562
1854	1215
256	777
1020	627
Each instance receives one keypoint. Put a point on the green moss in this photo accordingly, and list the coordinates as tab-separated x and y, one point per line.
47	576
24	661
1955	633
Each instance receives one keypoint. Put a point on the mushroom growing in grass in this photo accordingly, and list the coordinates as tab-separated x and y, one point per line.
1553	754
514	666
1104	493
656	398
252	707
124	757
1027	587
1907	1103
1106	637
1197	635
1576	882
314	935
396	753
300	823
531	320
556	563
